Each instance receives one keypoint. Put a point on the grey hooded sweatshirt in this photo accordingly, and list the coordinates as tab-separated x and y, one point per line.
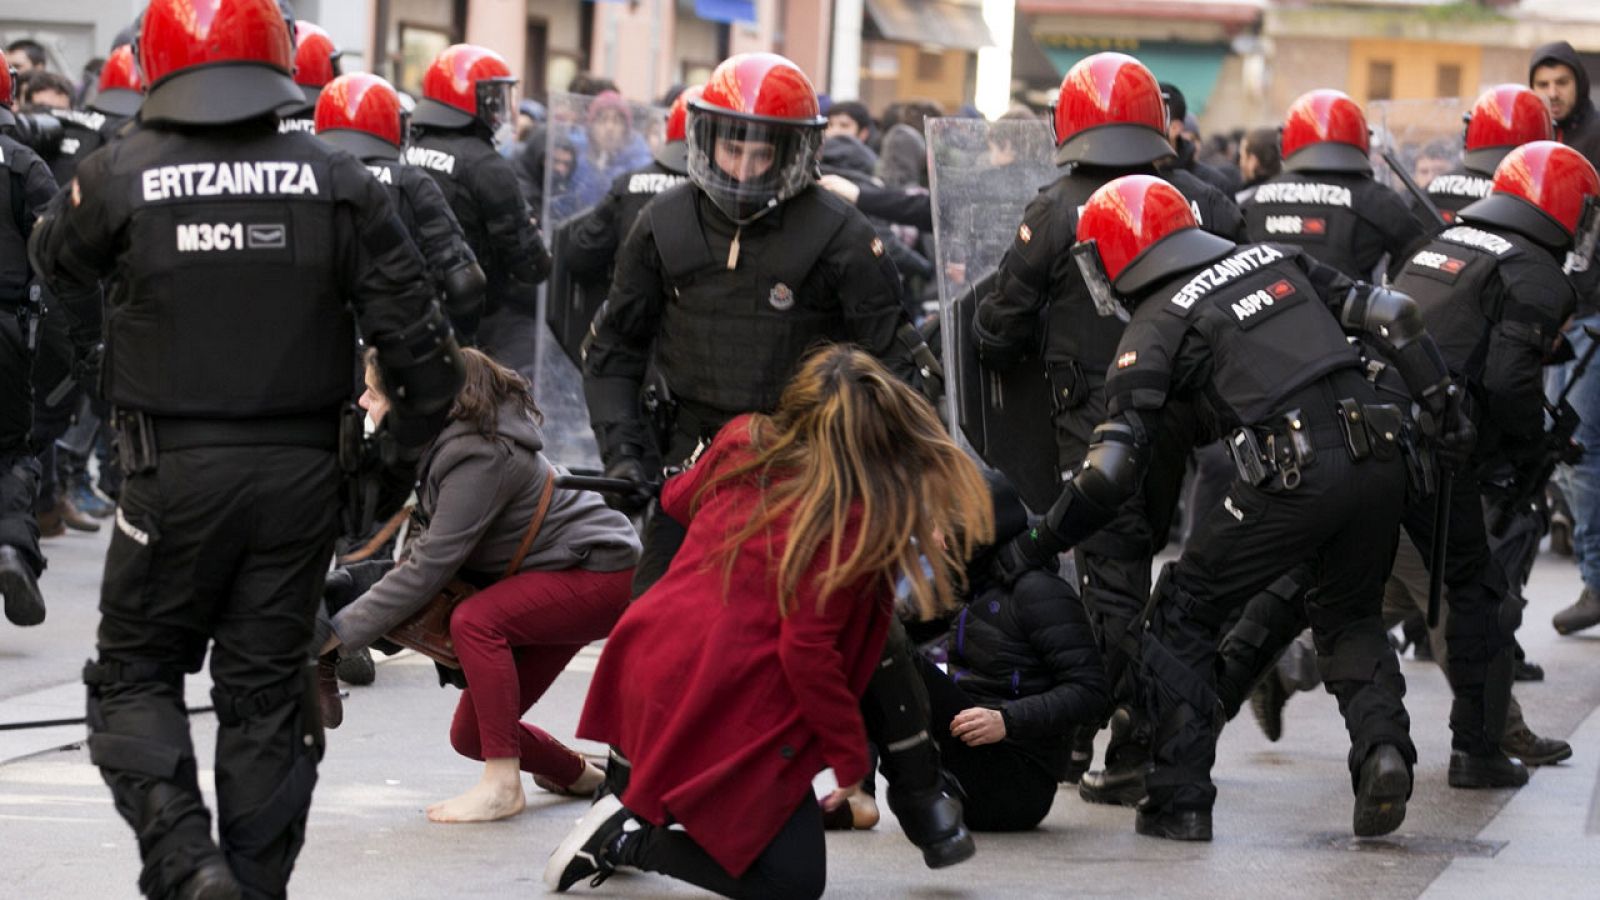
477	496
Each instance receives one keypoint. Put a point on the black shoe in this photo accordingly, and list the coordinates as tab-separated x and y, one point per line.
1266	704
1082	755
1382	788
212	881
328	691
1523	744
1122	786
932	819
357	668
1174	825
23	603
586	851
1529	671
1491	770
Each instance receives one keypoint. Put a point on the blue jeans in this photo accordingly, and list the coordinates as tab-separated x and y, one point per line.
1581	483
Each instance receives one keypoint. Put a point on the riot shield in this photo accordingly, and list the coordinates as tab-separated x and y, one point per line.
589	142
1425	137
982	175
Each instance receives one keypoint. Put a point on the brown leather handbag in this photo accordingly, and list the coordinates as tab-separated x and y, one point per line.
427	631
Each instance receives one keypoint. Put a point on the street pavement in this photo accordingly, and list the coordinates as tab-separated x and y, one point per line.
1282	817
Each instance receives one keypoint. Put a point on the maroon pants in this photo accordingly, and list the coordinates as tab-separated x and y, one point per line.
513	639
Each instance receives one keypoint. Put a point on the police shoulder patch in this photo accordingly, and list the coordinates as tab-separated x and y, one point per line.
1127	359
877	246
1025	234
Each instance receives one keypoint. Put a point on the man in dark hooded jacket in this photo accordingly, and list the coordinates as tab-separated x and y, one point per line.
1556	72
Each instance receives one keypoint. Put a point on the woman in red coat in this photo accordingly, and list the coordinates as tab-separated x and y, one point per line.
738	676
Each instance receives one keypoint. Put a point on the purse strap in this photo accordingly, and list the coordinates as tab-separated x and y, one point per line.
365	551
535	525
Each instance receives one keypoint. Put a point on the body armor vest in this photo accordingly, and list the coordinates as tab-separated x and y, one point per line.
731	338
1457	188
1315	212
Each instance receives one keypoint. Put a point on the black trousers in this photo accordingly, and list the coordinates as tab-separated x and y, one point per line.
1006	789
793	867
19	469
1343	520
226	548
1480	630
1114	569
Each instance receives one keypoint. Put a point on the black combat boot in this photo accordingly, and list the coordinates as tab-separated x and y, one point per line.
213	880
1173	824
1121	782
1266	704
932	819
1488	770
1382	788
357	668
23	603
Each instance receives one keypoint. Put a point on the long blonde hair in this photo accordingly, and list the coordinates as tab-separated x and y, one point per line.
848	436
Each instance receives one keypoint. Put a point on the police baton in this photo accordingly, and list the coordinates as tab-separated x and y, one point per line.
1437	552
1414	189
601	485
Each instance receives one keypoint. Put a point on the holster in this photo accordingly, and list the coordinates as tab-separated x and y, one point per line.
1068	388
660	409
136	442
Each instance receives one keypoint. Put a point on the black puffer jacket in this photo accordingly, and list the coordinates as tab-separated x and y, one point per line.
1028	651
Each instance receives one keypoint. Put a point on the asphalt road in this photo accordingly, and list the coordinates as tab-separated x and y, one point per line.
1282	818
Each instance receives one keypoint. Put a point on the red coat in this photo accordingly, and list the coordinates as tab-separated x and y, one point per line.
726	709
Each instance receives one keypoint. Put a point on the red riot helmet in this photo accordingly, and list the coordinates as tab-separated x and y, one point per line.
316	59
360	113
674	150
1504	117
1326	131
120	90
1109	112
754	134
212	62
1134	232
8	92
1548	192
467	84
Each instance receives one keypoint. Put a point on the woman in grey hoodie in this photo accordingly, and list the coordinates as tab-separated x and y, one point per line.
480	485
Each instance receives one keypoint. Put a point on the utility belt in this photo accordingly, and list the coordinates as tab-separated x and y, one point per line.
1284	447
141	437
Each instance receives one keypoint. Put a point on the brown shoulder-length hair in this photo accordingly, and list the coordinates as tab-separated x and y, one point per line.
849	438
486	387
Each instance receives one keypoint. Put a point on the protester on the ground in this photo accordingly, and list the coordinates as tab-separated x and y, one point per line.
483	481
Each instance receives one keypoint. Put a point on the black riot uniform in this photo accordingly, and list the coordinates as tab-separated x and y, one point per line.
1495	297
25	189
1257	334
1344	219
1037	274
482	190
239	254
83	131
597	236
451	265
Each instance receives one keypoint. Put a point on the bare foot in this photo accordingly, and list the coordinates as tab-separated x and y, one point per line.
486	802
863	811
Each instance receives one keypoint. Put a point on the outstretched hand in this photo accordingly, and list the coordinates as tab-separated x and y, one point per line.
978	725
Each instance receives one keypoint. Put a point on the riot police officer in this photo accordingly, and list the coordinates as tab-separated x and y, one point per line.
84	130
1257	333
1492	289
228	360
361	113
27	187
467	104
1503	118
1110	120
1325	200
316	62
723	285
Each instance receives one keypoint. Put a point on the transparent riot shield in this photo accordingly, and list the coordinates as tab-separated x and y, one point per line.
982	175
590	141
1423	137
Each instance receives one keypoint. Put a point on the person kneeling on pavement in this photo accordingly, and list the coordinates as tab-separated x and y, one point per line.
1024	671
482	482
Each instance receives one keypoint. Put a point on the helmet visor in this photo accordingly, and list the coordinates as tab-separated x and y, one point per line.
746	167
1106	301
1581	258
497	106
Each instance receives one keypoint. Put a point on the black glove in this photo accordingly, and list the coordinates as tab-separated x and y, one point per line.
1456	439
998	357
629	468
1016	557
338	590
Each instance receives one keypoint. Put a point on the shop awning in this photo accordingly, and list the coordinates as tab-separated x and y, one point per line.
934	23
1192	67
726	10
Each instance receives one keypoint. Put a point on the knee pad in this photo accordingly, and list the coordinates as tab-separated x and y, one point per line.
149	736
